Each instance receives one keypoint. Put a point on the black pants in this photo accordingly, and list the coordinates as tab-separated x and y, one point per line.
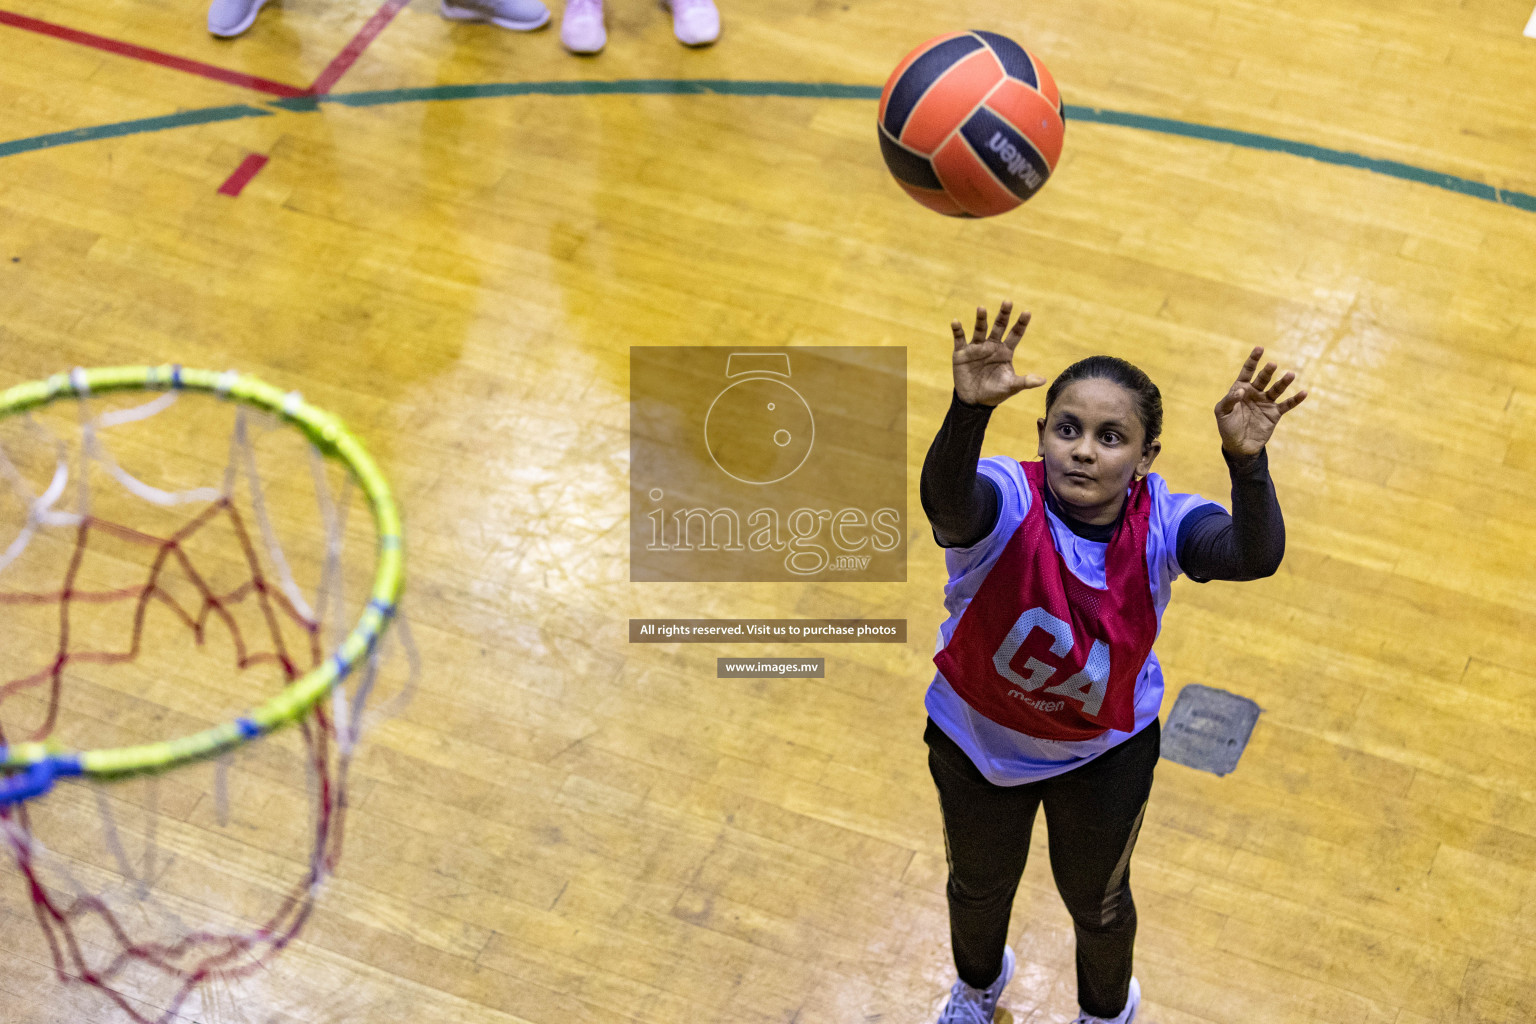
1093	814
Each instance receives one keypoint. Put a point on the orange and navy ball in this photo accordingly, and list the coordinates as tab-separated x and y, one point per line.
971	124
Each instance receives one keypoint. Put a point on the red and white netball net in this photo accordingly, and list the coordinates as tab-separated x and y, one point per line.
165	566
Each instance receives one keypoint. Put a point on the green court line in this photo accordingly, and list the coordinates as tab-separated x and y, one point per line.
803	90
1339	157
625	87
207	115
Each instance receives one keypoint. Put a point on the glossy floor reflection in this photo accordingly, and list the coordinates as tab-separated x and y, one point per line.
564	826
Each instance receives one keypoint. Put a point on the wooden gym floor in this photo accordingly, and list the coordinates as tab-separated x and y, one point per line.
602	832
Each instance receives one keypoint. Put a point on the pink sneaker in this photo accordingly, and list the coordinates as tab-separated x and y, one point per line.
695	22
581	30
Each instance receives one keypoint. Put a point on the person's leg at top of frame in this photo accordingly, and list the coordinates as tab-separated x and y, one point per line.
517	15
230	18
582	29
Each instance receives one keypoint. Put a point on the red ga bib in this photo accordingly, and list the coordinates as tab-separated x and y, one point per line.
1041	652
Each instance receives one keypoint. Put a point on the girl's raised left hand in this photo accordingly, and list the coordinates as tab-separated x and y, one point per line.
1248	412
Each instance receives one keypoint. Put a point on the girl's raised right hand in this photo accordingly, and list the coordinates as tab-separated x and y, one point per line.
984	365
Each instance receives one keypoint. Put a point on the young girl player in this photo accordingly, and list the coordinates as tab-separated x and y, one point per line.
1047	691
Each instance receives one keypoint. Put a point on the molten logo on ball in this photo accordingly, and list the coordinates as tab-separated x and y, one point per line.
1018	166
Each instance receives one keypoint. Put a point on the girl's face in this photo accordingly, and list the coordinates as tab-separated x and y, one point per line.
1092	442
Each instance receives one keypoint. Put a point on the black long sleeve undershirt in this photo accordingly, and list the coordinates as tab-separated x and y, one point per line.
959	502
1247	544
962	506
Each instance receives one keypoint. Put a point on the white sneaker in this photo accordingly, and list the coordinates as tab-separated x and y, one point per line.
517	15
229	18
977	1005
695	22
581	29
1132	1001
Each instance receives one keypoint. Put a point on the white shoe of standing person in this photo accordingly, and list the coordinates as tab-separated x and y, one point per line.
695	22
1132	1001
229	18
517	15
977	1005
581	30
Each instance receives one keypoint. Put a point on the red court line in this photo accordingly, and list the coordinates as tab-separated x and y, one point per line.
144	53
323	84
243	175
353	50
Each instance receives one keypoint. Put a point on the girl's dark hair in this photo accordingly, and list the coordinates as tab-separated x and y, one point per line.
1149	401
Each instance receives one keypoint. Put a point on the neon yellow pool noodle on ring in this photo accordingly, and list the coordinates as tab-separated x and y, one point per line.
334	440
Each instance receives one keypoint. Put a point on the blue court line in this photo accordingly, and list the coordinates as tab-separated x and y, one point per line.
738	87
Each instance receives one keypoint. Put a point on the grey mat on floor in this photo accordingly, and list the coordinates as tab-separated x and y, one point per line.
1208	728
